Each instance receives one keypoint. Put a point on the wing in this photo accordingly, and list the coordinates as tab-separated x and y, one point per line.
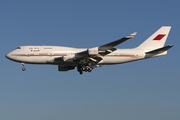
115	43
92	56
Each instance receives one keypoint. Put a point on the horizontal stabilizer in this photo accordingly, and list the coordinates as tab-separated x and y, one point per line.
160	50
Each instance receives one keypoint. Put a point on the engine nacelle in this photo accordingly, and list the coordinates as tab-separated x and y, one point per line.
93	51
68	58
65	68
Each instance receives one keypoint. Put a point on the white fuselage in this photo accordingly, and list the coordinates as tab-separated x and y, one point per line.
50	55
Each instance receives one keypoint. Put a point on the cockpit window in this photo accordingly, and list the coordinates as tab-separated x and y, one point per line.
18	48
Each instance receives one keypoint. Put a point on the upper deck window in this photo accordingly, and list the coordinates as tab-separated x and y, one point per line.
18	48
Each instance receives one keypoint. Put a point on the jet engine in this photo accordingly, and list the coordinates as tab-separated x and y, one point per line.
65	67
93	51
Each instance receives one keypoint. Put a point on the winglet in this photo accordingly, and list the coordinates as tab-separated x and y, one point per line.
132	35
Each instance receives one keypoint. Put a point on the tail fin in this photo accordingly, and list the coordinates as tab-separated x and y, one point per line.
156	40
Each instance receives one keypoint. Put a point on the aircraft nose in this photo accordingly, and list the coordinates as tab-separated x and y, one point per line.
8	55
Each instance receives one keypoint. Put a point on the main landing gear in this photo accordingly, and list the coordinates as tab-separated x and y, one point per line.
23	67
82	68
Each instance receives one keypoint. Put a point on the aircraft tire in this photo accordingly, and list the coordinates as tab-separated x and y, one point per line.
80	72
23	68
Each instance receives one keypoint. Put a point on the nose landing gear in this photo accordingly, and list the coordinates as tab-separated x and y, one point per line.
23	67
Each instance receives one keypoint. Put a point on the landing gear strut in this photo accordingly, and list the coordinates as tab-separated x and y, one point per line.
82	68
23	67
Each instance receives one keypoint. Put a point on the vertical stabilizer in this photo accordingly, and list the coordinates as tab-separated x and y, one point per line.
156	40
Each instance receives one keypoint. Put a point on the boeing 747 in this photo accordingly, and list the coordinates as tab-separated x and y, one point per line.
68	58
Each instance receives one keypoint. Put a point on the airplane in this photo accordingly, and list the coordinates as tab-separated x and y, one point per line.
68	58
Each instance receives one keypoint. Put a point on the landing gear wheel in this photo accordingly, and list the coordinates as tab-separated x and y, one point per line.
89	70
80	72
23	68
86	68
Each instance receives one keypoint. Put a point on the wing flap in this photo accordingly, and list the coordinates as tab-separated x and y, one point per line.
92	60
103	53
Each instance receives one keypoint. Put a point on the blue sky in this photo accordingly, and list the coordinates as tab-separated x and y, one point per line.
147	89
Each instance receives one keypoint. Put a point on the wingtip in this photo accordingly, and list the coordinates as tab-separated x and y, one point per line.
132	35
171	45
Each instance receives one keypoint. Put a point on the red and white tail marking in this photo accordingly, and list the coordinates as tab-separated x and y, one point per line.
159	37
